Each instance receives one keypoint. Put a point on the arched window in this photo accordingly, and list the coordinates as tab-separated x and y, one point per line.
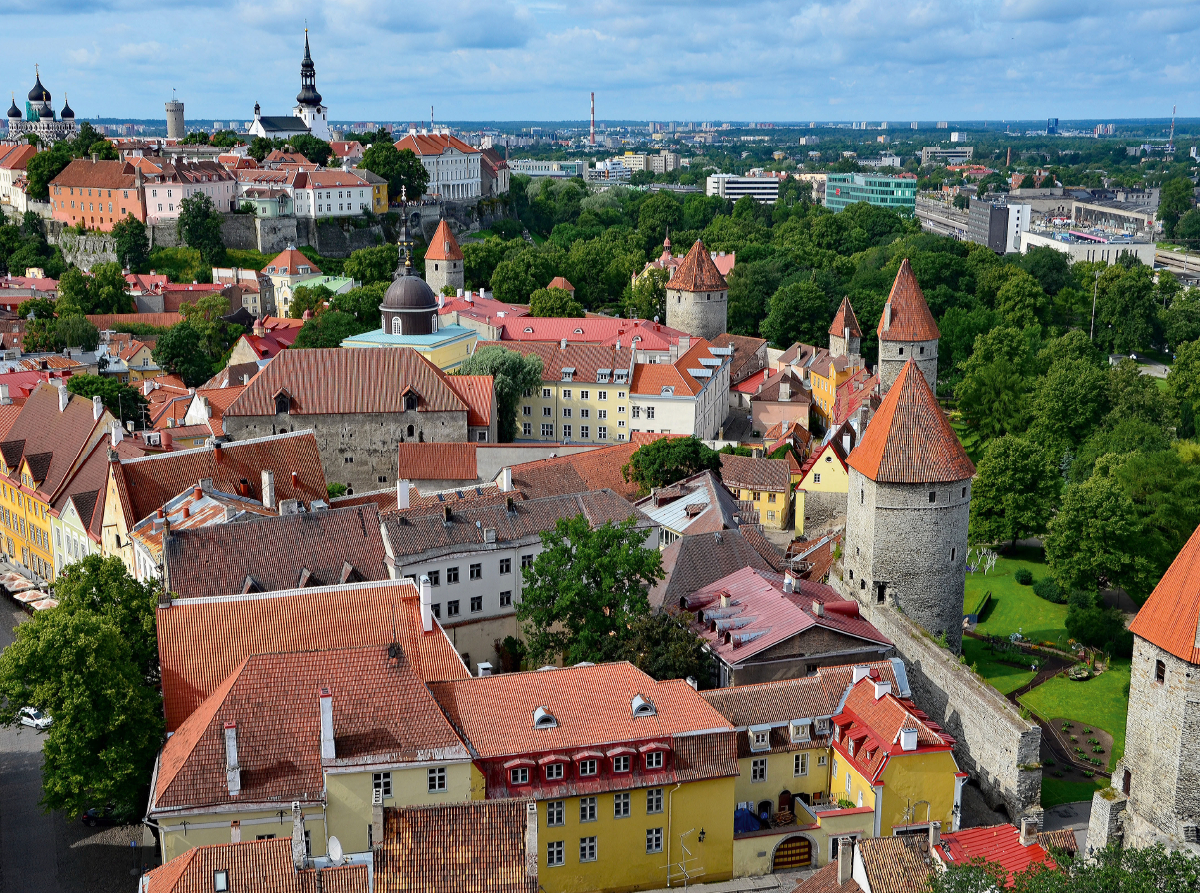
283	403
396	325
410	404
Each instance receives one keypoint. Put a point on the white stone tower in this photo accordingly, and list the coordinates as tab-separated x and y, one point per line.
308	101
907	331
175	126
443	260
1158	779
908	504
698	296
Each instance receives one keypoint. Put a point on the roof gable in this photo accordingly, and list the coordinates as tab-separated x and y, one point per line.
906	315
443	245
1170	618
845	319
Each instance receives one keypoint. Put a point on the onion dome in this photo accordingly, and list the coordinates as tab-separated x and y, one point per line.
308	94
46	112
14	113
39	93
67	113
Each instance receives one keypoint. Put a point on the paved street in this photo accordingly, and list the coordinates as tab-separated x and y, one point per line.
51	853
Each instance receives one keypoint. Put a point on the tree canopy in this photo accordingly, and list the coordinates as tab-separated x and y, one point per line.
400	167
200	227
124	402
664	461
554	302
512	375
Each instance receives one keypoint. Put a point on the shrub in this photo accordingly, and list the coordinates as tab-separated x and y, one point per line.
1024	576
1047	588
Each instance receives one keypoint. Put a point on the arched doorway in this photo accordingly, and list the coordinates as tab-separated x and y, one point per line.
792	852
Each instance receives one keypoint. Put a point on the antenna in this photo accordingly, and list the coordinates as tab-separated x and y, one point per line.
335	850
1171	139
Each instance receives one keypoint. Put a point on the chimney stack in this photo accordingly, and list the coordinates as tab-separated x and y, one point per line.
97	408
328	751
5	399
935	834
64	397
235	831
233	772
426	605
845	859
506	480
402	493
531	843
785	390
887	316
1029	831
268	488
299	850
376	825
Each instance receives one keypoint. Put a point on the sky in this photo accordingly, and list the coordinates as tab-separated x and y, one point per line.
663	60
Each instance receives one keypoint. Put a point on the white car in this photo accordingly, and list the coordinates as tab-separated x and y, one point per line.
35	719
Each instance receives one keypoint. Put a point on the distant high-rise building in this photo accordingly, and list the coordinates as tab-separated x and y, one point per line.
943	125
1051	126
913	125
175	128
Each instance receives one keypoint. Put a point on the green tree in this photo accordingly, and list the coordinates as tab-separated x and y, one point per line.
1022	301
91	664
1187	230
1174	201
400	167
648	297
480	260
362	303
42	168
801	312
106	291
200	227
554	302
314	149
663	647
73	292
1183	379
36	308
1014	493
661	211
665	460
512	375
178	351
1027	182
132	246
751	285
1070	400
124	402
328	329
204	316
962	201
992	398
260	148
369	265
310	299
520	275
586	585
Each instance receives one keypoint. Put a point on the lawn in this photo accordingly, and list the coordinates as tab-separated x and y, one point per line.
1013	607
1099	702
1000	676
1056	791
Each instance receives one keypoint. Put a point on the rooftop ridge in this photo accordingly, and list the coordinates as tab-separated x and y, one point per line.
227	445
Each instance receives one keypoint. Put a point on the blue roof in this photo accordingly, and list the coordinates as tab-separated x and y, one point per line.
380	338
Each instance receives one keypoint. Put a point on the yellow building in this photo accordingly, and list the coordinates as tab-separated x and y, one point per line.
793	798
340	732
139	362
767	483
379	190
825	471
52	436
633	779
825	374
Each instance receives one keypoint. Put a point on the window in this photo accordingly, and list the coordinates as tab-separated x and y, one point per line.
964	492
547	430
506	598
584	431
585	395
620	764
554	853
555	813
587	767
770	497
526	429
901	351
933	496
546	393
620	806
1160	672
566	432
506	565
526	410
649	412
761	739
554	771
654	760
601	395
437	779
265	837
526	561
451	575
758	770
547	412
587	849
476	604
476	571
654	801
801	764
435	578
587	809
820	759
566	394
437	610
221	881
452	608
518	776
602	432
654	840
567	413
849	778
637	412
382	783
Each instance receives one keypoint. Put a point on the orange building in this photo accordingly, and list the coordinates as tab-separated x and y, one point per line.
97	194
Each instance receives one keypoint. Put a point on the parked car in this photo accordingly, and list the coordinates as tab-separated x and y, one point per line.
35	719
100	815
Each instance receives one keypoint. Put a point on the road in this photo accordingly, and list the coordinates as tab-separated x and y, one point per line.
44	852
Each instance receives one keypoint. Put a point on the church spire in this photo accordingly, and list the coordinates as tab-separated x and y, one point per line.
308	95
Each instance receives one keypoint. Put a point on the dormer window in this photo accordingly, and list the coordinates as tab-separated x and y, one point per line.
555	771
544	719
283	403
654	760
799	730
760	737
519	775
667	391
822	726
621	764
410	403
642	707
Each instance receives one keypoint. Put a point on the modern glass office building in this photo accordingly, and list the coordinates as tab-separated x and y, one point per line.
897	193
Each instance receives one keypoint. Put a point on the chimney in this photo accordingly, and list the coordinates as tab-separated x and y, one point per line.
235	831
887	316
233	772
426	605
908	739
268	488
402	492
118	434
563	344
328	752
785	390
205	484
860	673
217	454
1029	828
5	399
790	580
882	688
935	834
299	850
846	443
531	844
818	609
245	379
64	397
506	480
97	408
485	669
845	859
376	825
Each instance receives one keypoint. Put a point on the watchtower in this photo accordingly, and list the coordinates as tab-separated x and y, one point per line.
443	260
907	331
698	296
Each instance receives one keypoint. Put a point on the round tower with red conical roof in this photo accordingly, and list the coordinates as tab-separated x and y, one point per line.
909	502
698	296
907	331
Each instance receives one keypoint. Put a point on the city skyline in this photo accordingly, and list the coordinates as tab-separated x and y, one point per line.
539	61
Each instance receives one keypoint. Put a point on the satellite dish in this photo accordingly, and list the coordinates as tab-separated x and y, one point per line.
335	850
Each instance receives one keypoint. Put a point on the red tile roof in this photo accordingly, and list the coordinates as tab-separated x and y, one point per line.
748	473
17	157
859	388
147	484
896	864
288	263
826	881
437	462
650	378
472	847
909	440
697	272
1001	845
871	722
1170	618
478	393
382	712
433	144
103	174
585	359
104	321
611	331
443	245
910	316
844	319
254	866
560	282
579	472
50	440
325	617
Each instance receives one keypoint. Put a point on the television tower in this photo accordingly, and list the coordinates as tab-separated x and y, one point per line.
1171	139
592	139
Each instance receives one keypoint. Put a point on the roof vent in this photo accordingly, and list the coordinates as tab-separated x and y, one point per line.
544	719
642	707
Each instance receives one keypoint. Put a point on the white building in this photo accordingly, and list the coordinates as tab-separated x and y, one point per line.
764	190
1090	248
308	115
453	165
689	396
335	193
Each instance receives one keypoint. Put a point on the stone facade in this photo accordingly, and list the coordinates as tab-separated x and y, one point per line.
847	345
822	509
442	273
894	354
703	314
357	450
908	551
1161	766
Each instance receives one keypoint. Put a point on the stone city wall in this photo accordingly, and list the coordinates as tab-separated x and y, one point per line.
84	251
823	509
